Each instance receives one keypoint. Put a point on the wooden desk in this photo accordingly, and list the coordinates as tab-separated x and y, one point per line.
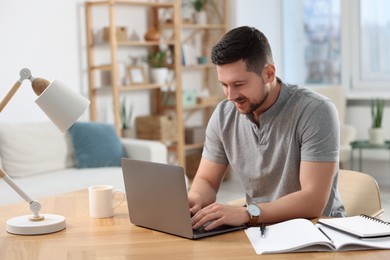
116	238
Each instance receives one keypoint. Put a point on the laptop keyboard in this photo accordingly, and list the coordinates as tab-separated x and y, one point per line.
201	230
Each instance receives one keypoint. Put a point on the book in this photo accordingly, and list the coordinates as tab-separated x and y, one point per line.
301	235
362	226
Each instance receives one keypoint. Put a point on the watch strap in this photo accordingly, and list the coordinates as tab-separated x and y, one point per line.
253	221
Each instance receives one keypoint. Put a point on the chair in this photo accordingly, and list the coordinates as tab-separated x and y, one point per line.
359	193
347	132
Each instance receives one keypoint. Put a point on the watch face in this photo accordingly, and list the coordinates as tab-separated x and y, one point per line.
253	210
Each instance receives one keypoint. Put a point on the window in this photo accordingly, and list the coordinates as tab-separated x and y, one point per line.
314	32
373	52
312	41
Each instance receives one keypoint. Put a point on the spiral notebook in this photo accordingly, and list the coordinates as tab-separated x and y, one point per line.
362	226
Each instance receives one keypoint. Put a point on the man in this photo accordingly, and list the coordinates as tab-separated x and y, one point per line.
282	140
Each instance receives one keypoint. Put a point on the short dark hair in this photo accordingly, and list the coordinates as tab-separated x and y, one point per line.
243	43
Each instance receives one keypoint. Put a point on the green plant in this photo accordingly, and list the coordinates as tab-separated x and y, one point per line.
377	106
199	5
126	113
157	59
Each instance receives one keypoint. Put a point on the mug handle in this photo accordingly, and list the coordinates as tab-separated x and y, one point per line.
122	199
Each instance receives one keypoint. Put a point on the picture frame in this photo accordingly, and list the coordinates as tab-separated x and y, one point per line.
136	75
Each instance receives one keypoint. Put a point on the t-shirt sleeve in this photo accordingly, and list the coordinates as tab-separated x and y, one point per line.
320	133
214	149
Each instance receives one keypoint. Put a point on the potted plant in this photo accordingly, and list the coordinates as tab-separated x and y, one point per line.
126	113
200	11
376	133
157	59
158	68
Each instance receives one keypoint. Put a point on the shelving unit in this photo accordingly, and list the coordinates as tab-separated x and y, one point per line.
206	34
113	67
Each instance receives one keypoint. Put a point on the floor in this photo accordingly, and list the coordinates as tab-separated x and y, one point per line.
231	188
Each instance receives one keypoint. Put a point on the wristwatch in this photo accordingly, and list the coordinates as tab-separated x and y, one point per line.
254	214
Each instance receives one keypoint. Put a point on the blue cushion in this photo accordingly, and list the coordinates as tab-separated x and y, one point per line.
96	145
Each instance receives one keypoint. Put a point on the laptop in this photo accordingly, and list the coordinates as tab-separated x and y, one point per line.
157	199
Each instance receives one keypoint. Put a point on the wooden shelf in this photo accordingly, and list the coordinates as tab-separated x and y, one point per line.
200	106
199	66
101	67
131	3
131	44
140	87
204	26
129	88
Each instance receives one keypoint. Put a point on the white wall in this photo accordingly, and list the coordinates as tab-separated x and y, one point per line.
44	36
265	16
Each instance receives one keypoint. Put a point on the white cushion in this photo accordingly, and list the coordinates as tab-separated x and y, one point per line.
32	148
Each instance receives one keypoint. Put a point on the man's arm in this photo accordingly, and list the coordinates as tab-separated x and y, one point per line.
206	184
316	180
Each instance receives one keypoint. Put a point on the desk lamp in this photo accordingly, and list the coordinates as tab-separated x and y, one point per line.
63	107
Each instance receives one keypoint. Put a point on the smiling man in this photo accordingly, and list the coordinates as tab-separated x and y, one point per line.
282	141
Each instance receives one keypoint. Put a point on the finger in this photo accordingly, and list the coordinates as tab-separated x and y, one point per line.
194	210
203	220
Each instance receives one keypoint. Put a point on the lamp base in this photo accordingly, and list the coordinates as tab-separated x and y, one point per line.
24	225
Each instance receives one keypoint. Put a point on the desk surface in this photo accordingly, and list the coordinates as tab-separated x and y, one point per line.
116	238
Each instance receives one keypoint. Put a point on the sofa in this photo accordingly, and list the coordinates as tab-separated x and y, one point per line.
43	162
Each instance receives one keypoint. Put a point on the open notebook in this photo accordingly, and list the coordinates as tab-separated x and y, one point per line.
301	235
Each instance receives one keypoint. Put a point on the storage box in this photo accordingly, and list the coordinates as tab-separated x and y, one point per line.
160	127
121	33
195	135
189	98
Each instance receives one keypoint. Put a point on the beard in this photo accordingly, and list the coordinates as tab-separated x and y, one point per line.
253	106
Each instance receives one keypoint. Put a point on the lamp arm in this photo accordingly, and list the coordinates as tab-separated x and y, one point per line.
35	206
9	95
24	74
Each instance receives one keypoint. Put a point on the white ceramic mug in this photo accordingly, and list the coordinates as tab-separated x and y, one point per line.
101	200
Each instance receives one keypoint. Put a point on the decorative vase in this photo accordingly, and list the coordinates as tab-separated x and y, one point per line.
152	34
159	75
376	136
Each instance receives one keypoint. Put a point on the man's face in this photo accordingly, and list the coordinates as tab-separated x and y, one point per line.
247	90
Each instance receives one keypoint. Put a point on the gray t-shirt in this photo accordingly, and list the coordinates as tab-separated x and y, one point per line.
300	126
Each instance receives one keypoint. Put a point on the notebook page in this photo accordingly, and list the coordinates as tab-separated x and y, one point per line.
289	236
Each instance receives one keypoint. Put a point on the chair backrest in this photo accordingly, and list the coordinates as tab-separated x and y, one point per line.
360	193
337	95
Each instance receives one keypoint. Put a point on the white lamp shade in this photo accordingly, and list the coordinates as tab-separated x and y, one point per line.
61	104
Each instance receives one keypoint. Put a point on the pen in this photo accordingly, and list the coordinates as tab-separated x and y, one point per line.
323	232
262	230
